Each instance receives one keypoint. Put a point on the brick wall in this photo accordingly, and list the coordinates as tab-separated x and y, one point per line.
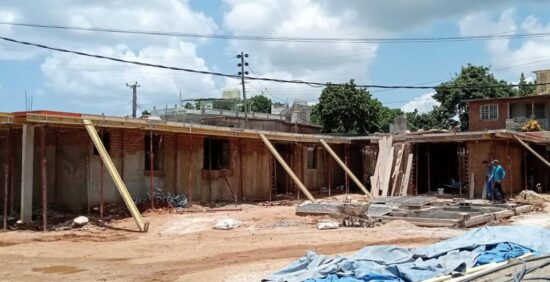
476	124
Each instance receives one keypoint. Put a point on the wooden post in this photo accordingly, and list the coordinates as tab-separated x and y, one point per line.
190	176
344	167
6	184
346	160
176	164
44	178
122	155
287	168
101	184
209	169
142	225
151	169
329	175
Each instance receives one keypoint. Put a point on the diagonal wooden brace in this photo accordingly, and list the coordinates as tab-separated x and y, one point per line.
345	168
287	168
142	225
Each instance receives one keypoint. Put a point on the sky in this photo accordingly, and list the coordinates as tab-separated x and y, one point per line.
66	82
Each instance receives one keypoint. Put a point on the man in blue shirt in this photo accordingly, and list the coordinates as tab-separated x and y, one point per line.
498	177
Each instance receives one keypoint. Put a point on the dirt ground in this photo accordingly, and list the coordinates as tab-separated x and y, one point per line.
184	247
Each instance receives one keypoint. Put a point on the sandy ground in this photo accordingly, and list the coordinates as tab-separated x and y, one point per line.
184	247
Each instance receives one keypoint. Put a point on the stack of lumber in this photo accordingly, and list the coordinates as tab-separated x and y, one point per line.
392	174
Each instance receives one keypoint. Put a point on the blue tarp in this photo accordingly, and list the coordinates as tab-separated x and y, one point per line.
390	263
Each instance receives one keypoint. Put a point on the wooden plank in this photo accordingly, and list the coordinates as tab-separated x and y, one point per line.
397	168
406	176
386	168
532	151
287	168
142	225
472	185
345	168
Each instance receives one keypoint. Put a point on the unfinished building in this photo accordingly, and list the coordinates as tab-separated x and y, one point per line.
48	159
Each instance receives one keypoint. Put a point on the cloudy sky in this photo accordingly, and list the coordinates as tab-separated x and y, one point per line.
66	82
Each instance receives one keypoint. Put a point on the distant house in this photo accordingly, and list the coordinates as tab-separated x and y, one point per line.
512	112
508	113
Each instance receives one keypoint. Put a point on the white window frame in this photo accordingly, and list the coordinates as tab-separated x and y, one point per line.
487	109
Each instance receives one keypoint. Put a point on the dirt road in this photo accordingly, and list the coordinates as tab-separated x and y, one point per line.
184	247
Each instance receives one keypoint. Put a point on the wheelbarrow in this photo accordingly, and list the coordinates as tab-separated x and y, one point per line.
355	215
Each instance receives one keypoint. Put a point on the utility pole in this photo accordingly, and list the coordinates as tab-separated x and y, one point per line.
134	97
242	73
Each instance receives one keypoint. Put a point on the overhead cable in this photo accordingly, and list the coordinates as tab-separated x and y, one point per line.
373	40
309	83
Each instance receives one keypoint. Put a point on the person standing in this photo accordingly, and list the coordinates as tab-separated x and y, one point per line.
488	184
498	177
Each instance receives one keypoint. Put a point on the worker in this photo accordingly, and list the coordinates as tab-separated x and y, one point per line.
498	177
488	185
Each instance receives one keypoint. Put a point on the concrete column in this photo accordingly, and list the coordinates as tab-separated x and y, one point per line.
27	165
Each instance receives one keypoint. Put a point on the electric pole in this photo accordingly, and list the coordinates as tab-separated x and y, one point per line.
242	73
134	97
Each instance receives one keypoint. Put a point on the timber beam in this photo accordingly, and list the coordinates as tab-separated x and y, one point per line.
287	168
178	127
345	168
142	225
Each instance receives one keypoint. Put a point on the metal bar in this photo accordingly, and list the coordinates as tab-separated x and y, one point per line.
44	178
287	168
151	169
142	225
345	168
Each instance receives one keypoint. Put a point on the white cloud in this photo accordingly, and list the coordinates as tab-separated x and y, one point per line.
510	57
101	84
422	104
98	85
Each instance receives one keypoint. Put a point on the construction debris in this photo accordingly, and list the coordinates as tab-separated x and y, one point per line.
529	197
226	224
327	224
163	199
80	221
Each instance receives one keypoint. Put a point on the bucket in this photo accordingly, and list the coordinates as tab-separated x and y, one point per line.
440	191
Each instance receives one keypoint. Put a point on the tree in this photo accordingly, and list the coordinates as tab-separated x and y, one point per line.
525	88
259	104
473	82
189	106
438	118
315	117
348	109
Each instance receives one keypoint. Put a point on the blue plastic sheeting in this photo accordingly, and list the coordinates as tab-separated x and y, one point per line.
390	263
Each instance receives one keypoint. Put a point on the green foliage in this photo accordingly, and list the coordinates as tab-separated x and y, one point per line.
438	118
525	88
315	117
473	82
189	106
348	109
223	105
386	117
260	104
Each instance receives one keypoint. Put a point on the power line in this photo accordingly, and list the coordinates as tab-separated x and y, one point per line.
309	83
373	40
